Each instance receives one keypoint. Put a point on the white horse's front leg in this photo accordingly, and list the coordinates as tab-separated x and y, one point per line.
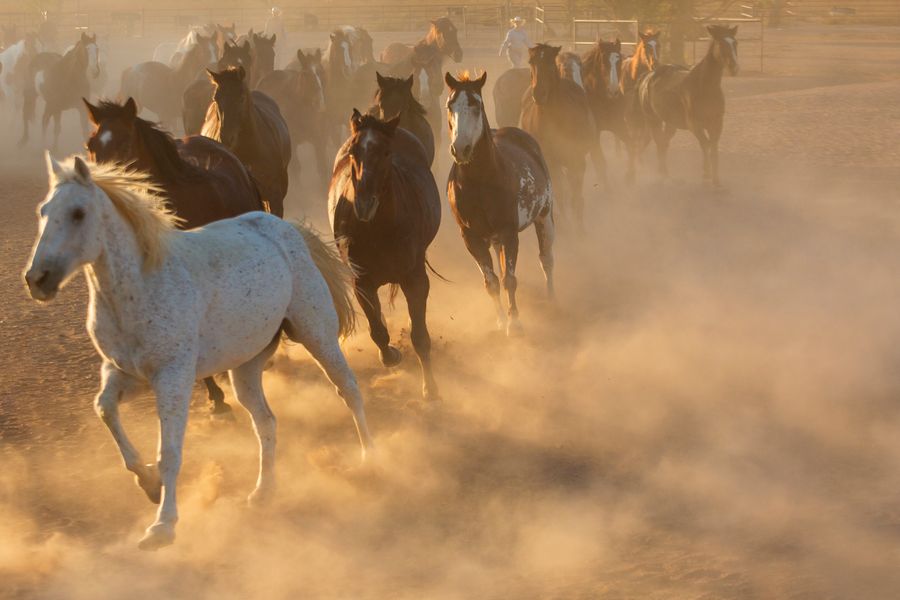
173	395
114	385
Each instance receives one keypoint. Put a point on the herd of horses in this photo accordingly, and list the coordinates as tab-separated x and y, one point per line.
191	270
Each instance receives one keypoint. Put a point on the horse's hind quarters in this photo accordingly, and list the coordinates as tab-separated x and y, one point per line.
157	536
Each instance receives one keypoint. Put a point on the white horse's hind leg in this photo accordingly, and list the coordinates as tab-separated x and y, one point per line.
173	388
114	386
247	383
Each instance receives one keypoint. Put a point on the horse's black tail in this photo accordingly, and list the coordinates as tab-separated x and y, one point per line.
438	275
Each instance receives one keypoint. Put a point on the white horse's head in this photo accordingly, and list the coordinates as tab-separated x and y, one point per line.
93	53
69	229
465	112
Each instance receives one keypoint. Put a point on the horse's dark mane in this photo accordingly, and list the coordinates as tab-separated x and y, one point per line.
371	122
159	143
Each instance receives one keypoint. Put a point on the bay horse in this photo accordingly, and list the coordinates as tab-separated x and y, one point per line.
673	97
425	61
508	92
602	75
197	96
159	88
394	97
385	210
62	81
499	185
202	180
250	124
555	112
301	96
168	307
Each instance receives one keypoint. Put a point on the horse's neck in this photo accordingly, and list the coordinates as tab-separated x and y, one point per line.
708	72
248	135
161	168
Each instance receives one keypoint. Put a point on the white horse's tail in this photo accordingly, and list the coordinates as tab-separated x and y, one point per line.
337	274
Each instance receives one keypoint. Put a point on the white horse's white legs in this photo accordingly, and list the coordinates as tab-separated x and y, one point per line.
173	388
246	381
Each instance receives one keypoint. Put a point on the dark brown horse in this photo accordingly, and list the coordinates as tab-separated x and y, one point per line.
499	185
300	95
508	91
425	61
263	55
385	210
394	97
61	81
196	98
601	76
673	97
250	124
159	88
203	181
555	111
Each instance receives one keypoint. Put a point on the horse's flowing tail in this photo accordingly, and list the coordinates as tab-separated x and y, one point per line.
337	274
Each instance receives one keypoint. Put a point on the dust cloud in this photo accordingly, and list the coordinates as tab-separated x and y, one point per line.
709	410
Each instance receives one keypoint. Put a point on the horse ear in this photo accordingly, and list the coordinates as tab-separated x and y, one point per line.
212	75
82	172
273	38
355	120
712	30
131	109
93	111
733	31
409	82
392	124
618	44
451	81
379	79
245	46
480	81
54	169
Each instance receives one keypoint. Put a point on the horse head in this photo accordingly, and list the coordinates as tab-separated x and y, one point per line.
394	94
89	42
467	121
648	49
370	155
312	90
231	99
264	49
724	46
570	67
611	64
236	55
444	34
544	73
114	137
339	53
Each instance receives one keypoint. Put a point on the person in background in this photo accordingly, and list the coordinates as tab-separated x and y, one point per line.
275	26
516	44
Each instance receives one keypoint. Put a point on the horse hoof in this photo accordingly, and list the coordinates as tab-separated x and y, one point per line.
220	411
514	329
149	481
430	393
157	536
390	357
261	496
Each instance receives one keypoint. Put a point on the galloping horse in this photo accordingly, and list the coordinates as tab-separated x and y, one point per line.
15	63
394	97
300	94
168	307
557	115
425	61
385	210
602	74
197	96
62	81
203	181
250	125
673	97
159	88
499	185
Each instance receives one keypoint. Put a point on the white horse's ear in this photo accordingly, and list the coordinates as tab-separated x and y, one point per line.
82	172
54	169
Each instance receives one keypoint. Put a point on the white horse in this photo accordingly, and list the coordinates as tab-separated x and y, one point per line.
14	62
168	307
171	53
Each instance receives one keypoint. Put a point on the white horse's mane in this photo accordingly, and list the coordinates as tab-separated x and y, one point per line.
137	198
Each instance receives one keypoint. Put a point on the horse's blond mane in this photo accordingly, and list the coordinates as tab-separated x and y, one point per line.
467	76
138	199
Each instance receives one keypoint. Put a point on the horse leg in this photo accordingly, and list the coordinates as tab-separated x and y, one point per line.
545	230
599	161
510	256
700	134
367	296
324	348
246	380
216	397
415	288
715	132
173	387
479	248
114	386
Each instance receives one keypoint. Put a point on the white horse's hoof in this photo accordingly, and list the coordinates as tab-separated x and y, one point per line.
149	481
261	496
514	328
157	536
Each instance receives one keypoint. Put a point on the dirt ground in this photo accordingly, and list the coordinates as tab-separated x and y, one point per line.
710	409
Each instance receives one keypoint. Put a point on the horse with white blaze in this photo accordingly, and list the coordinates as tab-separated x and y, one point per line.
169	307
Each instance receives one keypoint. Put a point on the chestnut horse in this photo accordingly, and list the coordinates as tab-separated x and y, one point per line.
673	97
202	180
394	97
499	185
557	114
250	125
385	210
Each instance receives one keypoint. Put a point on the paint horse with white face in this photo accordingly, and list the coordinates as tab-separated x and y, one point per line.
385	210
168	307
674	97
499	185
